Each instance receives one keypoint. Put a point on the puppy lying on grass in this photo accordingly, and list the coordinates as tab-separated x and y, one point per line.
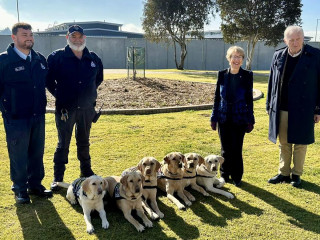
89	193
190	174
127	191
170	178
149	167
207	175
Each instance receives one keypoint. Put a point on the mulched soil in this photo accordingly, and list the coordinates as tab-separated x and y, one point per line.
150	93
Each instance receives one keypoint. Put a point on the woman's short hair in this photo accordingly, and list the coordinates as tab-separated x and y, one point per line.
233	49
293	29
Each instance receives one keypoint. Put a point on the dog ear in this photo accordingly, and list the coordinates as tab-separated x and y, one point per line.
166	159
104	184
86	186
139	166
201	160
221	159
158	166
184	160
124	179
142	177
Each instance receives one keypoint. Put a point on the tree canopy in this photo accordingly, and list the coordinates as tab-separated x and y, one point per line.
254	20
174	20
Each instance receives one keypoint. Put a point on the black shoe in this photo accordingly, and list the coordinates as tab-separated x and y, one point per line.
237	183
40	192
87	173
279	179
54	186
22	198
296	181
226	178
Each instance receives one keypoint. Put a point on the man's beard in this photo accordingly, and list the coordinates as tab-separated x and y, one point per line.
24	45
75	47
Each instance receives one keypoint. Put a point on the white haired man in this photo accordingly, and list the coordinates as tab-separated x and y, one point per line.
293	103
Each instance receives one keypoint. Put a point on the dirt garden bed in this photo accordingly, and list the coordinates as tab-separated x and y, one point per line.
150	93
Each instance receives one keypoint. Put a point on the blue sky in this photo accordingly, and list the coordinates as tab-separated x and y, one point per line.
42	13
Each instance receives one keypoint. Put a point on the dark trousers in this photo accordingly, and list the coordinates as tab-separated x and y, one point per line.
25	142
82	120
231	138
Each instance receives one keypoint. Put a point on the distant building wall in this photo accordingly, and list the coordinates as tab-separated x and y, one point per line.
207	54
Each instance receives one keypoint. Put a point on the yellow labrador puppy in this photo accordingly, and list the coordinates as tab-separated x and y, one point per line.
190	174
89	193
170	178
149	167
207	175
127	191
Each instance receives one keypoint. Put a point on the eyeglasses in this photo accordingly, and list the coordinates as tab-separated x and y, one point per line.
236	57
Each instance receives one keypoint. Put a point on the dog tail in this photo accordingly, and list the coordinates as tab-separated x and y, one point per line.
63	184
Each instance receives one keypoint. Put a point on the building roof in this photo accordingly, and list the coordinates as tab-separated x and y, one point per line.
92	28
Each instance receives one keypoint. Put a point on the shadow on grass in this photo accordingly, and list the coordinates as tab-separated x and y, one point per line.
40	220
310	187
301	217
177	224
224	213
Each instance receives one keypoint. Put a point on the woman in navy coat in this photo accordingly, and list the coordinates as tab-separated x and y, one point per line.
232	113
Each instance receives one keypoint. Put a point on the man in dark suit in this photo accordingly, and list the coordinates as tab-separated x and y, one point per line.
293	103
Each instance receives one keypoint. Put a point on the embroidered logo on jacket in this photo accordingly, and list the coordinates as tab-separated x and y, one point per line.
18	69
92	64
42	66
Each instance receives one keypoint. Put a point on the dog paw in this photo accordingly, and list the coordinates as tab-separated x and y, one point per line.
229	195
148	223
188	203
154	216
90	230
161	215
181	207
105	225
140	228
206	194
192	198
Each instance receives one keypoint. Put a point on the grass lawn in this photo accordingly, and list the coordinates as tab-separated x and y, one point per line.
259	210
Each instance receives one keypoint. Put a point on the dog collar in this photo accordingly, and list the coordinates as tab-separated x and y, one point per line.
190	176
204	176
149	187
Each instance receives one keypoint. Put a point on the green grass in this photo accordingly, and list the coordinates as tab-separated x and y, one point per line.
259	211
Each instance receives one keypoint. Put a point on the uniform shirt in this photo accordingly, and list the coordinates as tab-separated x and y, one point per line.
73	81
22	84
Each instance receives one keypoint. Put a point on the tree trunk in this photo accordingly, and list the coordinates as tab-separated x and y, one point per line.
250	51
183	54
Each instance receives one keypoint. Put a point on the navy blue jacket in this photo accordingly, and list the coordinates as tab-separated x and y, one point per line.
72	81
22	85
242	107
303	95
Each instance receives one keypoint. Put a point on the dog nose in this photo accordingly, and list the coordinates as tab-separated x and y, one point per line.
148	171
214	168
137	189
180	165
99	191
191	165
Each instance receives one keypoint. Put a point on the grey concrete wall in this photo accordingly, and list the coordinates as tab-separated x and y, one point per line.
208	54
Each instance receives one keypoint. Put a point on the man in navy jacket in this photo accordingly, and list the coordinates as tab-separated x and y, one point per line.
73	78
293	103
23	105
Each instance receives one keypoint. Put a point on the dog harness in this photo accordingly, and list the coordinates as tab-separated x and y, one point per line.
116	192
76	187
148	187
